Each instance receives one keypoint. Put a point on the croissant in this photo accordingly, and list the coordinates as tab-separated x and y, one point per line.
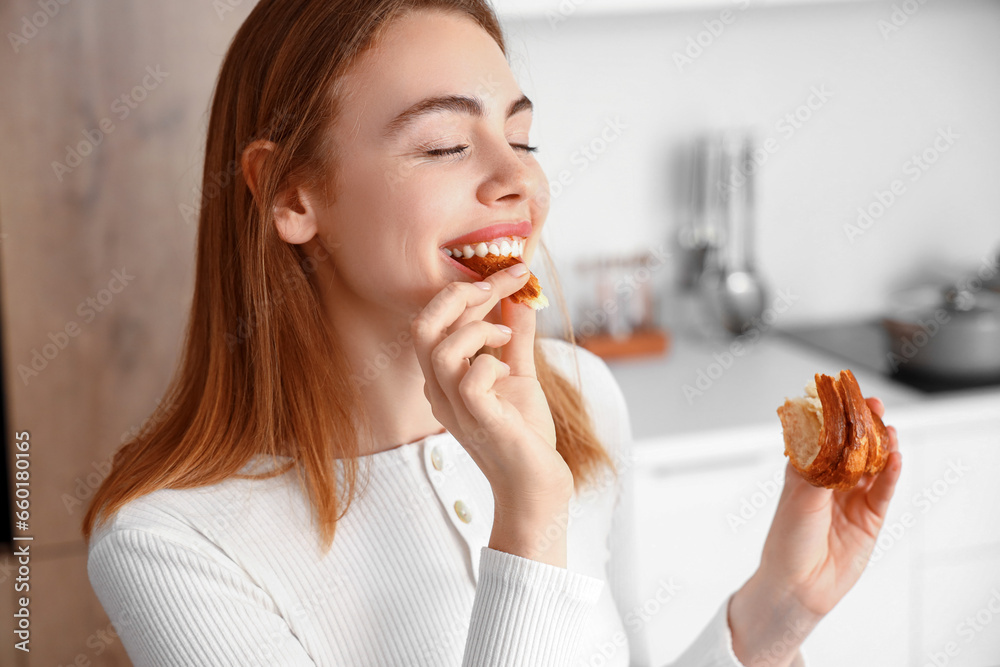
530	294
831	435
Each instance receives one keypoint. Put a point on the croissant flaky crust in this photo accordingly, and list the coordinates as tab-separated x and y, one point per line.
831	435
530	294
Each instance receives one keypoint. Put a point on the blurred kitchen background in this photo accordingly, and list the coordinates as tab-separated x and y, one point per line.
743	194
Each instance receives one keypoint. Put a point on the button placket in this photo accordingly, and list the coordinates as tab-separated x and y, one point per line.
441	468
453	475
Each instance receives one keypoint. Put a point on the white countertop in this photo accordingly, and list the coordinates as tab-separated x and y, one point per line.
746	390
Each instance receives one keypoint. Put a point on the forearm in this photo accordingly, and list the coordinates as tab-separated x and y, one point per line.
767	625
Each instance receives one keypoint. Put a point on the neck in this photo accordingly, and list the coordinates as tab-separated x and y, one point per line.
384	366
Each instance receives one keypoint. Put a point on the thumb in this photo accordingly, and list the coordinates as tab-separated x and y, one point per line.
519	352
808	498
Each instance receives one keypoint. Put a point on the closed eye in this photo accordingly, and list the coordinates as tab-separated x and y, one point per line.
447	151
456	150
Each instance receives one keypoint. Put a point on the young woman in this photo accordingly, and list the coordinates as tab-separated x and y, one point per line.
331	334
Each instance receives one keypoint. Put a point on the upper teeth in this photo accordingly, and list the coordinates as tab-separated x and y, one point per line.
501	247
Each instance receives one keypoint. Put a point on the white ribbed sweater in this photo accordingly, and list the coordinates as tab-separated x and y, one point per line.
232	574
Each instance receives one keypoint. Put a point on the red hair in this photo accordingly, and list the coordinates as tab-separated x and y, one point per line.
247	383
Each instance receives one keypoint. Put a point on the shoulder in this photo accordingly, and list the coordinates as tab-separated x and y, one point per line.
200	519
595	377
596	383
565	357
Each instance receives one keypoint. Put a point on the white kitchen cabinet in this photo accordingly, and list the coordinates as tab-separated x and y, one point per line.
956	500
705	504
960	613
688	538
937	562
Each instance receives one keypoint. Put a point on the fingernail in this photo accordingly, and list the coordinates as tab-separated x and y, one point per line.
483	285
504	328
518	269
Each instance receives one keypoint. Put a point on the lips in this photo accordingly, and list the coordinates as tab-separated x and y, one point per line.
520	229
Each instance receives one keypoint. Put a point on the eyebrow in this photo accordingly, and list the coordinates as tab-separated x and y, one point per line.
472	106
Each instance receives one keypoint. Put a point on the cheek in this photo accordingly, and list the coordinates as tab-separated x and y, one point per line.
542	200
429	202
382	202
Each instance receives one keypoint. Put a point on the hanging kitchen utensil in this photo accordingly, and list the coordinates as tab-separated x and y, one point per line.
731	285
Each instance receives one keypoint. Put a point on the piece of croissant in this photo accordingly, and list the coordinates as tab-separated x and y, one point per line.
530	294
831	435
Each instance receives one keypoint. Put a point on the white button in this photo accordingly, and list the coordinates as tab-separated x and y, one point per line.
436	458
462	511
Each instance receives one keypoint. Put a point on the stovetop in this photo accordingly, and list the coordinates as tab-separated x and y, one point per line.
865	343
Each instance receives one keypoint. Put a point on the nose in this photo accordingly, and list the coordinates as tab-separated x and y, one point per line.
510	177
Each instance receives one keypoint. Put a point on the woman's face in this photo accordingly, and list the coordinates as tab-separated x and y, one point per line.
413	175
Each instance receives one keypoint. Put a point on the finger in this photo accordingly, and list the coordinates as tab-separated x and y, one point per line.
476	390
431	324
884	485
808	498
519	353
865	483
868	479
503	283
451	359
876	405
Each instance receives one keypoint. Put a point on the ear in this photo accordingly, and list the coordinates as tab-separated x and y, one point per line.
294	213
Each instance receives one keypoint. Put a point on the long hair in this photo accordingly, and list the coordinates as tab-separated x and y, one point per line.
247	383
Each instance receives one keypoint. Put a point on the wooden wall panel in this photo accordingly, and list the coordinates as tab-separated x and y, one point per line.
108	228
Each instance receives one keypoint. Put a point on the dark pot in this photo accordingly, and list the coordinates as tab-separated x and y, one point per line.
953	338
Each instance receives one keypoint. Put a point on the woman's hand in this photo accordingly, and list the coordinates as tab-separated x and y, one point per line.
817	548
496	408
